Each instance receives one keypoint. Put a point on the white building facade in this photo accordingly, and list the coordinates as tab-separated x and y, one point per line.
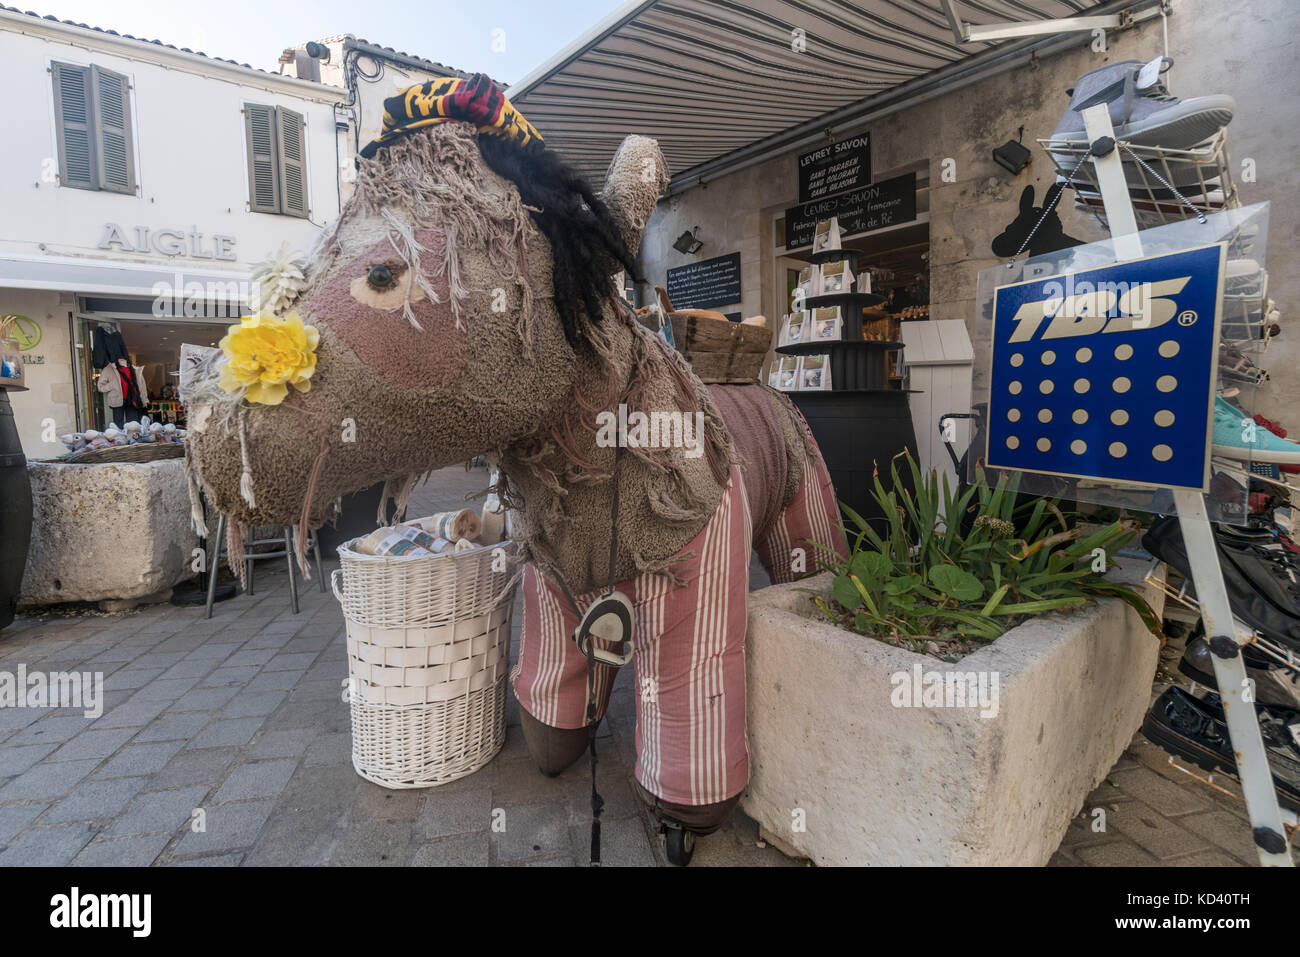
138	186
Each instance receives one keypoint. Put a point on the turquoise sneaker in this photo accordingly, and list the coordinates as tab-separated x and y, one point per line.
1236	436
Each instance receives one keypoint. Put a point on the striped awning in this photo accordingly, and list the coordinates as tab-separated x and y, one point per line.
709	77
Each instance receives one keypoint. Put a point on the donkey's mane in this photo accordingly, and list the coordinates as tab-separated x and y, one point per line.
586	243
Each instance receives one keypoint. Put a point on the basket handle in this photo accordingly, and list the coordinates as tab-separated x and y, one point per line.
336	577
505	590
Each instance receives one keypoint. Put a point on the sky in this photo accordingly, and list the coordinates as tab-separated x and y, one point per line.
458	34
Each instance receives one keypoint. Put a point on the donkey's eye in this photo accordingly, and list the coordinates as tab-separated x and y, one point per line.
381	277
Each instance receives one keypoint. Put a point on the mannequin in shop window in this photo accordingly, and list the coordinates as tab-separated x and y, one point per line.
124	387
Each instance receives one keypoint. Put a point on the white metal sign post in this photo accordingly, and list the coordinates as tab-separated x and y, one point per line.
1220	627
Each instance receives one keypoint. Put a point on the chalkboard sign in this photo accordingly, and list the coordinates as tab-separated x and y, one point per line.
836	168
705	284
882	204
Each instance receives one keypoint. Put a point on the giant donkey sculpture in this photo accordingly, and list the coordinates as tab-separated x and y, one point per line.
463	304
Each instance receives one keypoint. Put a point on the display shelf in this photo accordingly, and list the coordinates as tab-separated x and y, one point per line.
834	392
835	256
843	299
814	347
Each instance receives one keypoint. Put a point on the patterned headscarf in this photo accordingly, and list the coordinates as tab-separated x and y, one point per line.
477	100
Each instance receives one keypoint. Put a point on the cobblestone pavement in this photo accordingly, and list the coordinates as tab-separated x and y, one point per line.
241	717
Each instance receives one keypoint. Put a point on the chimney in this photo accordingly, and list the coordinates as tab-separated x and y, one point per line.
305	67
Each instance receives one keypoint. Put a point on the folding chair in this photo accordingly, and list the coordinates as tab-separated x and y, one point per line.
250	557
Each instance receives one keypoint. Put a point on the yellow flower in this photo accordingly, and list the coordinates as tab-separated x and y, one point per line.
265	355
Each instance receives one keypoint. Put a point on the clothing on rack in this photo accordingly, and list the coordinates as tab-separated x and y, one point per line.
109	347
110	383
124	386
135	393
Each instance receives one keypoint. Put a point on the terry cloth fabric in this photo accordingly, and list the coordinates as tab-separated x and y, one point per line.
477	100
753	423
688	651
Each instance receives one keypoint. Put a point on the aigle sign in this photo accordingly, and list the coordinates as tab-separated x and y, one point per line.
168	242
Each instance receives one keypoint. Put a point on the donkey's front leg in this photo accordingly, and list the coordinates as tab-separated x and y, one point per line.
550	677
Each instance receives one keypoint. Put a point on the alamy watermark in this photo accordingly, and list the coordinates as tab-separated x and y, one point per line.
208	298
53	689
651	430
946	689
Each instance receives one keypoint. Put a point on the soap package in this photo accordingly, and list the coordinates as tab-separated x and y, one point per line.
836	278
827	235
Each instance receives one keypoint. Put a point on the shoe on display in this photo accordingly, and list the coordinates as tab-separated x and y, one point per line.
1242	274
1262	577
1149	213
1196	731
1238	366
1237	436
1144	117
1151	117
1197	663
1280	433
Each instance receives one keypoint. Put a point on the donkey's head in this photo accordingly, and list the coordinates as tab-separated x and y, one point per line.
456	300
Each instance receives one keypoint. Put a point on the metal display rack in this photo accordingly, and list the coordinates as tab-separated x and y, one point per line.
1225	635
856	364
860	423
1202	175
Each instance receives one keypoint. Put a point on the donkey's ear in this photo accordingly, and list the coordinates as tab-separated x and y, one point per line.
637	175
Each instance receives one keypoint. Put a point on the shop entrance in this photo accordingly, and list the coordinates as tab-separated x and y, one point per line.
153	346
899	261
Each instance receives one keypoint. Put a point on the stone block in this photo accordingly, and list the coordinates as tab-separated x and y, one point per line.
104	532
843	776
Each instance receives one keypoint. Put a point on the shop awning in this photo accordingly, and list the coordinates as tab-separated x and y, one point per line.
715	81
103	277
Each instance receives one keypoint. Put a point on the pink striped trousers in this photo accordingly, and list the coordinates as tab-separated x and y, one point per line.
688	644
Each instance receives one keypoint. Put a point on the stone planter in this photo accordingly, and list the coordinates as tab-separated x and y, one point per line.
103	532
844	770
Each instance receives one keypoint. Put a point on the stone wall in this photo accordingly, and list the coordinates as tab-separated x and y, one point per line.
1243	50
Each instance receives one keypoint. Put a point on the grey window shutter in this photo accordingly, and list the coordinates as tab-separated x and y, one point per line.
112	103
263	170
72	117
293	169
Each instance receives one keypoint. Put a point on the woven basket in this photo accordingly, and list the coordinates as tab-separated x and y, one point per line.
428	642
720	351
391	591
726	367
115	454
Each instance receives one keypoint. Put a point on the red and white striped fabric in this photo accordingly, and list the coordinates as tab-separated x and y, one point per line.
813	516
688	646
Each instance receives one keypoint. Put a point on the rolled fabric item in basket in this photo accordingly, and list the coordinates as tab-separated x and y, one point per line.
435	544
391	541
418	535
451	525
492	522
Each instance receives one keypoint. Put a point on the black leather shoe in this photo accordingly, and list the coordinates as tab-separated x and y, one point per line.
1197	663
1194	730
1262	576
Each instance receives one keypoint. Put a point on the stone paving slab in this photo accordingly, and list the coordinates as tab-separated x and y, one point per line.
241	718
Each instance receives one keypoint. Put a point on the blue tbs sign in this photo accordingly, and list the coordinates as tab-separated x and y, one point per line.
1108	373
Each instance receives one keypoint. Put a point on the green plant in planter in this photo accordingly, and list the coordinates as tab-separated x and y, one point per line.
929	573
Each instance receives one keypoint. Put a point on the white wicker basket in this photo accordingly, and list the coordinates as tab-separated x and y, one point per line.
392	591
428	654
